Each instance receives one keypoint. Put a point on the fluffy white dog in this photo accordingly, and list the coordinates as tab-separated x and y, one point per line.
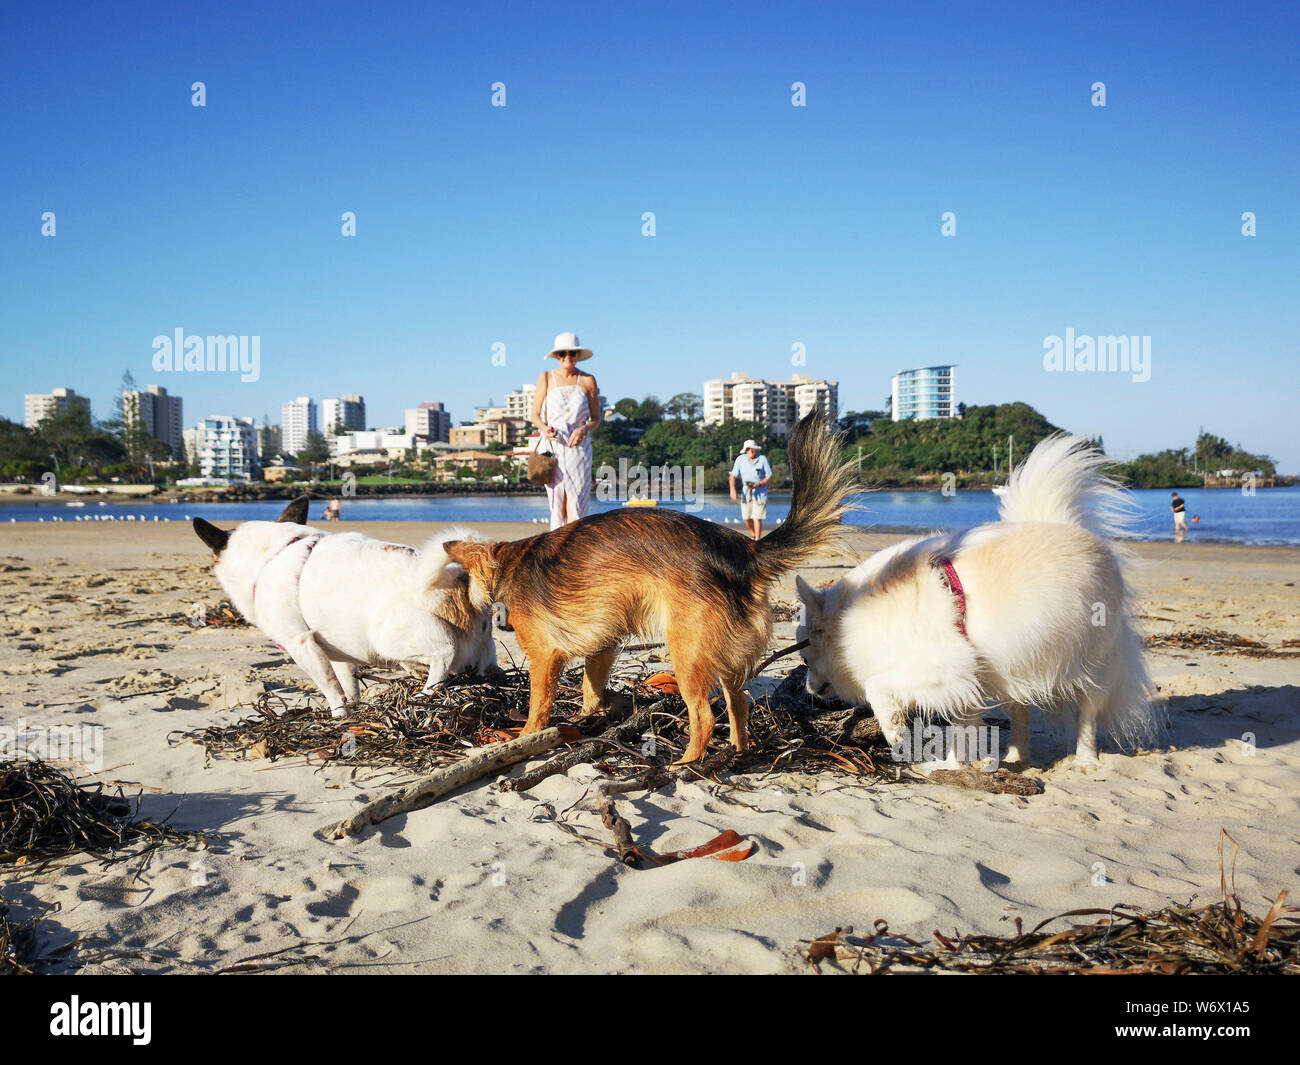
335	602
1032	610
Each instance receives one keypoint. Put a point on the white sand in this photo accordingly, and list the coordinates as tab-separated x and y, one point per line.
485	881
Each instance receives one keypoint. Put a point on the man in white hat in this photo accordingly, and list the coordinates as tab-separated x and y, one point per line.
755	474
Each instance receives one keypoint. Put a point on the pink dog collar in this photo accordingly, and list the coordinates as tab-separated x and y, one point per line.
953	582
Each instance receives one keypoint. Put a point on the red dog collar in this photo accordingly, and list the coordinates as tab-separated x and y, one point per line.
953	582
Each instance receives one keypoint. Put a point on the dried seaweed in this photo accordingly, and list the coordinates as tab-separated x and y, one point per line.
1217	642
17	944
45	814
1175	940
398	726
1219	939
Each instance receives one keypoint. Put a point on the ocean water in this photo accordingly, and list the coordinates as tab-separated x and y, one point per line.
1270	516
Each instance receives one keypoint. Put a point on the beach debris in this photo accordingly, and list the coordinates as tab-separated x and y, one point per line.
17	944
478	763
1217	642
1219	939
727	846
397	726
46	814
221	616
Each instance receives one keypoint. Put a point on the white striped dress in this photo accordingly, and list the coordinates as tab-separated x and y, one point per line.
567	408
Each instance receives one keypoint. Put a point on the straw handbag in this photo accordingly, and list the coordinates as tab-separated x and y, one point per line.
541	468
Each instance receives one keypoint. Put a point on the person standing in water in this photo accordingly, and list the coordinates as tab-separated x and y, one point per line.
1180	516
566	409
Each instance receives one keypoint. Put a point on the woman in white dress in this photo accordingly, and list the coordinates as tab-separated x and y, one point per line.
566	409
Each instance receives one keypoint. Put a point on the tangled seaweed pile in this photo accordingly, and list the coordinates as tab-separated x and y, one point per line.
45	814
1219	939
1177	940
397	726
1217	642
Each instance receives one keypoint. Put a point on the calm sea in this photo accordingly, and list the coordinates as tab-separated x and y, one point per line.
1270	516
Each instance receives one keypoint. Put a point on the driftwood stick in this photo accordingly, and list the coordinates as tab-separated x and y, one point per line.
779	654
477	763
623	844
588	751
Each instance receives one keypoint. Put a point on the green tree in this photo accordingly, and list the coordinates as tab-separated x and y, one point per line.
685	406
315	451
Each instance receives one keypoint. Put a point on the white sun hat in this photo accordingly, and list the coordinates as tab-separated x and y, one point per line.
750	444
568	342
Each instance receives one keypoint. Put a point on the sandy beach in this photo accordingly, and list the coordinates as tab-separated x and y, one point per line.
487	881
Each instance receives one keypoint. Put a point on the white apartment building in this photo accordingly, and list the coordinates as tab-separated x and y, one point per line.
157	414
38	406
297	419
519	404
343	415
431	421
391	441
227	448
926	392
778	405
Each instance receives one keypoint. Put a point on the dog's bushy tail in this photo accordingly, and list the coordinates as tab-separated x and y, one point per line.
1062	482
822	485
436	569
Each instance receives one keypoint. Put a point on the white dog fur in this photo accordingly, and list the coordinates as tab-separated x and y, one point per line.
337	601
1048	615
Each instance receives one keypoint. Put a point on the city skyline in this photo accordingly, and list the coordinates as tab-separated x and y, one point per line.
865	191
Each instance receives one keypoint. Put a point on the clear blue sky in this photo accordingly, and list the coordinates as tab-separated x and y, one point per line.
775	224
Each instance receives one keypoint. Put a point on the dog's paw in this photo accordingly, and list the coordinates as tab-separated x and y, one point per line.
339	711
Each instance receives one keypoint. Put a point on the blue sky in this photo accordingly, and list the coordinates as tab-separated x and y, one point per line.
775	225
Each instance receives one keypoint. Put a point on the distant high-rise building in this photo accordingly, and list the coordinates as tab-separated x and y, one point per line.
297	419
39	406
157	415
927	392
343	415
228	448
520	404
193	441
777	405
429	421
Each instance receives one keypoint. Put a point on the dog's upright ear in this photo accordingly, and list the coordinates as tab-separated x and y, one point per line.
212	536
296	512
813	600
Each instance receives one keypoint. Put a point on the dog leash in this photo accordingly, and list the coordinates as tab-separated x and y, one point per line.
953	582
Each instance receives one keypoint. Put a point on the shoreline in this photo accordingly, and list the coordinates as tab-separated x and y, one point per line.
68	517
262	492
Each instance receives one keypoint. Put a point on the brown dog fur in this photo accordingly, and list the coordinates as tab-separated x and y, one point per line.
581	590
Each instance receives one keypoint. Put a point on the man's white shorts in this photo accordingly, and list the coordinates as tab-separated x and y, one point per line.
754	509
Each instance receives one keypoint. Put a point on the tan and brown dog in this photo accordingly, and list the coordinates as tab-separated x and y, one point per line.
581	590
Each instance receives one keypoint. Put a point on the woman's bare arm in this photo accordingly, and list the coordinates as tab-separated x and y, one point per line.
539	400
